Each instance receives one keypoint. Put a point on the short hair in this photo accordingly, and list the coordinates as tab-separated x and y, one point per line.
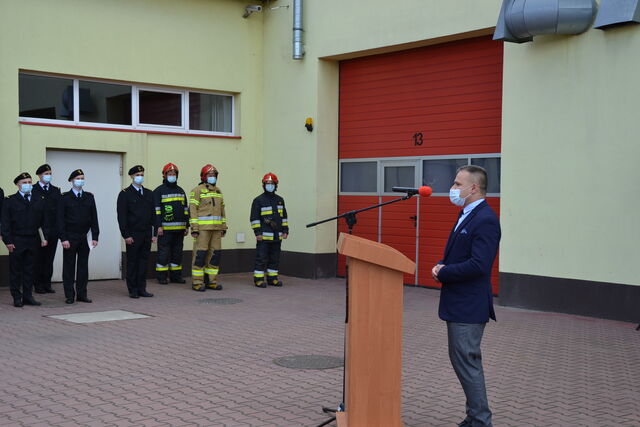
479	175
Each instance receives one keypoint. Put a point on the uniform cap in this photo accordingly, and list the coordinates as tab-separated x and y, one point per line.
136	169
42	169
23	175
75	173
270	177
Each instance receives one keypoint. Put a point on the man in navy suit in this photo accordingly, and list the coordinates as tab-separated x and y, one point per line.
466	302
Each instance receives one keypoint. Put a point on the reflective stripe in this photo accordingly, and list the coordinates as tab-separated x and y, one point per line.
212	219
197	273
266	210
255	224
157	209
285	222
193	220
194	201
174	227
203	195
162	267
272	272
175	267
280	209
211	271
172	199
267	236
258	273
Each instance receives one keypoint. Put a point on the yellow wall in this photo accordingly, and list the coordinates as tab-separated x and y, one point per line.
198	44
570	153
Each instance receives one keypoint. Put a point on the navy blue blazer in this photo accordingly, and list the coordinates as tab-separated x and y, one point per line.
466	277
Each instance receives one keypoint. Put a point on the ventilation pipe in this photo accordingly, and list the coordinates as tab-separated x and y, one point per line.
521	20
298	47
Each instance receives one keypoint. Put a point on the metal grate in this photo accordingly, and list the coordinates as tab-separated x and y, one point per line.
312	361
220	301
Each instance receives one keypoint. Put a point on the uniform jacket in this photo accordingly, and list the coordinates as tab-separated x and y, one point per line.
23	219
466	277
1	202
172	210
136	213
269	217
206	208
77	216
51	198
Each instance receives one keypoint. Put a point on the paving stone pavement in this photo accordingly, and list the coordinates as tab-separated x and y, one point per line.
212	365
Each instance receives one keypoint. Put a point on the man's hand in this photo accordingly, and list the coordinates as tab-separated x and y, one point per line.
160	231
259	237
154	239
186	231
43	243
285	235
94	243
435	270
195	234
11	247
224	233
66	244
129	240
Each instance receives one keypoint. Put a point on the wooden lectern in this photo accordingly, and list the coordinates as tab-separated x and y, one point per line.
373	364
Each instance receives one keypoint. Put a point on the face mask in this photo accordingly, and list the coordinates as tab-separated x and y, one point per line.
138	179
46	179
78	183
211	180
172	179
26	188
454	196
270	188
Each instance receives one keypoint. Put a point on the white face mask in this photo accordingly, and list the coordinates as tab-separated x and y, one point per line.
270	187
454	196
172	178
26	188
211	180
138	179
78	183
46	179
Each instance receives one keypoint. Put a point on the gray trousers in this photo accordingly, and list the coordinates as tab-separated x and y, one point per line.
466	359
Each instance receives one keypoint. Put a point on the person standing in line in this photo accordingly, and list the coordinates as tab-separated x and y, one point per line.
1	202
77	214
136	216
270	225
208	226
172	216
22	222
466	301
46	254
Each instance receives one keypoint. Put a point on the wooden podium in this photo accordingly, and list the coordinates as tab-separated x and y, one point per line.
373	365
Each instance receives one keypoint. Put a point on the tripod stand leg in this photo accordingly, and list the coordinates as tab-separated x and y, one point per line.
638	328
330	420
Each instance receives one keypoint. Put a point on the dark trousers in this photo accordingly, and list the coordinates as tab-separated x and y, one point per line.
44	262
466	359
21	265
137	259
267	257
169	255
75	267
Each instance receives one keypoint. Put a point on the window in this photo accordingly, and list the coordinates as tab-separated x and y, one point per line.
398	176
44	97
105	103
440	173
492	166
50	99
359	177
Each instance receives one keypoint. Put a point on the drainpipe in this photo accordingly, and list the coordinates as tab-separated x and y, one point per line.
298	47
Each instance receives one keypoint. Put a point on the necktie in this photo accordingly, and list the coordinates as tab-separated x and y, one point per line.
46	188
79	196
140	191
26	198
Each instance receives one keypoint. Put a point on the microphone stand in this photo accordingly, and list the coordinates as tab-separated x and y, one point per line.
351	220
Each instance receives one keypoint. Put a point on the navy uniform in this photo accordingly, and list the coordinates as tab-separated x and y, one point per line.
46	254
136	218
270	225
22	219
77	214
172	216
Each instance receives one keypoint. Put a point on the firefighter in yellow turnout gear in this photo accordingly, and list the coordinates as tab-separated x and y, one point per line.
208	226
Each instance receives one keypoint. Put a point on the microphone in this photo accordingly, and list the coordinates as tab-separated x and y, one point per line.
424	191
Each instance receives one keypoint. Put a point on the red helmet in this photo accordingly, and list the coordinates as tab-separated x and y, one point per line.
169	167
206	169
270	177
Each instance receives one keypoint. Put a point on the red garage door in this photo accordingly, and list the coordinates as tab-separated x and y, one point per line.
412	118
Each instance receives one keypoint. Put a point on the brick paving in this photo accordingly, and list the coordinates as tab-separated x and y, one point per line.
212	365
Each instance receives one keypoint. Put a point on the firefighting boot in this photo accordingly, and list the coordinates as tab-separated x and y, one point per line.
198	287
214	285
161	274
272	278
260	283
175	274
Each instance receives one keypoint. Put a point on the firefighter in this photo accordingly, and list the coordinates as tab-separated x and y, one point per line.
270	225
23	215
172	214
46	255
208	226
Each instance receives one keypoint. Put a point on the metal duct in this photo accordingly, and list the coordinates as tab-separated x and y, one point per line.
615	13
521	20
298	47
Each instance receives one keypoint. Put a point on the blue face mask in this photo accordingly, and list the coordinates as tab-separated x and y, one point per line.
454	197
172	178
26	188
46	179
78	183
138	180
212	180
270	188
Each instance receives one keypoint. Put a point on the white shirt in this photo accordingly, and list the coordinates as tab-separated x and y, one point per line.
466	211
25	194
76	192
138	189
43	185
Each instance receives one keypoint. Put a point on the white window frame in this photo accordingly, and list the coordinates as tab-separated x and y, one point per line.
406	161
135	110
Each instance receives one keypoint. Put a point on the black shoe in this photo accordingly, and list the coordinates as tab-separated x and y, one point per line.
133	295
260	284
40	291
178	280
49	291
69	301
163	281
85	299
30	301
17	302
275	283
145	294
